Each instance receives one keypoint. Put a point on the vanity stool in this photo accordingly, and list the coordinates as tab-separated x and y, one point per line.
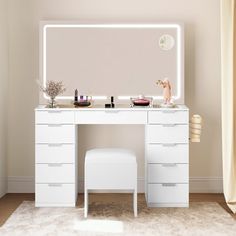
110	169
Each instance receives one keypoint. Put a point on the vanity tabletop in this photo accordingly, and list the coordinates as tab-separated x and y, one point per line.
118	107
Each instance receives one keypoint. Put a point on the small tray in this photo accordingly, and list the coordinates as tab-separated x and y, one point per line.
171	105
82	104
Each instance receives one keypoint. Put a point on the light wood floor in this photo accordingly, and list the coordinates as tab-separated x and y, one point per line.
11	201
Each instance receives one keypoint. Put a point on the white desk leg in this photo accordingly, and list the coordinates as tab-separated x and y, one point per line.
135	203
85	203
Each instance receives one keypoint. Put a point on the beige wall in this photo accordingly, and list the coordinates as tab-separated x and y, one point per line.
202	80
3	95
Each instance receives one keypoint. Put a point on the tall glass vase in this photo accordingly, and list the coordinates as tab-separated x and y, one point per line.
52	103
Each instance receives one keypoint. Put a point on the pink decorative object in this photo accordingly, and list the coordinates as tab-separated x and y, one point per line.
166	90
141	100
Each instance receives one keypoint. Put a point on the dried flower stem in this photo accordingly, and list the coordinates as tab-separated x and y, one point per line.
53	89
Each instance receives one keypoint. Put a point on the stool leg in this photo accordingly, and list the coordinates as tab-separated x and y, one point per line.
85	203
135	203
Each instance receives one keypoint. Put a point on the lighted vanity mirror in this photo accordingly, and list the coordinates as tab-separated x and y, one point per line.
122	60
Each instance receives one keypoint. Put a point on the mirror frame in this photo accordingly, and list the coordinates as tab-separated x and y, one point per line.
44	25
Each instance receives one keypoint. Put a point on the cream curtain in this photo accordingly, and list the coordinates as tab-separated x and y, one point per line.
228	100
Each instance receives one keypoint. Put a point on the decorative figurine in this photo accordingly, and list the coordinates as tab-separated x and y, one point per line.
166	92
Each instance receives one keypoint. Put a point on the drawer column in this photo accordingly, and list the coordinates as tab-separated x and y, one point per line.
55	159
167	158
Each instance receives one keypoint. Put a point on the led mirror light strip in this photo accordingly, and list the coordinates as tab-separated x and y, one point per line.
132	26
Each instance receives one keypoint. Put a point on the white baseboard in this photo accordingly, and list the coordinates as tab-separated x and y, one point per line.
2	188
2	194
20	184
25	184
206	185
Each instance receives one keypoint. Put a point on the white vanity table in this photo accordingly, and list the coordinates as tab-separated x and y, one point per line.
166	152
121	60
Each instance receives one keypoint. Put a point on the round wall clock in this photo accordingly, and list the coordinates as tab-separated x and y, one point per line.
166	42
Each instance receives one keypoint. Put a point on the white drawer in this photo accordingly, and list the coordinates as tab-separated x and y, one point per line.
168	173
55	133
54	116
168	193
167	133
55	173
111	116
167	153
168	117
55	195
55	153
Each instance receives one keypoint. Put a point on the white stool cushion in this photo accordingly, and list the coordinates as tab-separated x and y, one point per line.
110	168
110	155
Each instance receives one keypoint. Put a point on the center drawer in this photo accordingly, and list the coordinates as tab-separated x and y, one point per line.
55	133
55	153
168	133
55	173
111	116
168	173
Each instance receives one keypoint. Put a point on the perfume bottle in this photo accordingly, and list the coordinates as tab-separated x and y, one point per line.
112	102
76	95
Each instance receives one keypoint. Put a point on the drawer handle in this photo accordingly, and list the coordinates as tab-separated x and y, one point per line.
169	144
169	165
54	165
168	185
55	144
169	125
111	110
54	111
54	125
169	111
54	185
